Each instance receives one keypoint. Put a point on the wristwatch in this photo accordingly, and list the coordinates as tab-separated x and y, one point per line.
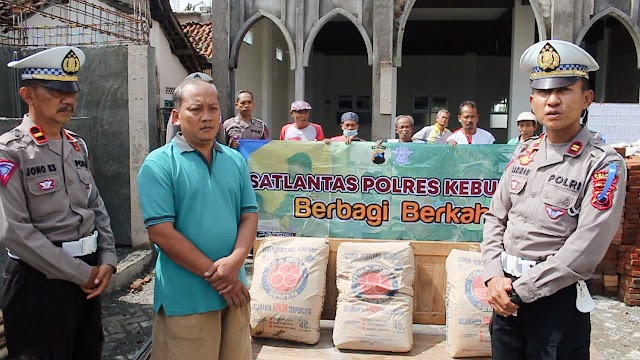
514	297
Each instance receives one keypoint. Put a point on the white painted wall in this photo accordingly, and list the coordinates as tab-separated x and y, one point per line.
270	80
169	70
523	36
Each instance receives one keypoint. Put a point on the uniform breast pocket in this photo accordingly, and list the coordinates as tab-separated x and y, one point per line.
45	196
553	213
517	185
87	181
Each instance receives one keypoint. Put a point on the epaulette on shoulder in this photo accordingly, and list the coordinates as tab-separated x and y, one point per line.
73	133
532	142
14	138
599	148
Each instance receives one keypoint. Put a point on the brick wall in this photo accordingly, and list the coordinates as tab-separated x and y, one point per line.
619	272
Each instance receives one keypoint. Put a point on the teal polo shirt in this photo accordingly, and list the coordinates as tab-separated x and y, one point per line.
204	203
514	141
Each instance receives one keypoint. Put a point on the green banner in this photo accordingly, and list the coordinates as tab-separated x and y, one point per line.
412	192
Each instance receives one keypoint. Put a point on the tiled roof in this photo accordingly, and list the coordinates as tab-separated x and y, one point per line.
199	34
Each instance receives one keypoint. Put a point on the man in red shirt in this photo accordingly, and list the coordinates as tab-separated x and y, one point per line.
301	129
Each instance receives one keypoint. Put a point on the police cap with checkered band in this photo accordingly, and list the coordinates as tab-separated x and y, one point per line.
54	68
556	63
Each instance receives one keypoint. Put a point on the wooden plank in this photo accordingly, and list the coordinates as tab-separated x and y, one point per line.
428	343
429	283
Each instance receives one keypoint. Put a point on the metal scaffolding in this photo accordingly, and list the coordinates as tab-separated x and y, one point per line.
74	22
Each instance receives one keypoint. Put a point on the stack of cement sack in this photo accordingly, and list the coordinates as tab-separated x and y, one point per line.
468	312
288	287
375	301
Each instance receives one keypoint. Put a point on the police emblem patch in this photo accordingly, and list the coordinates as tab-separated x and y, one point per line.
548	58
71	63
374	284
7	167
553	212
525	159
476	291
46	184
602	197
514	184
285	278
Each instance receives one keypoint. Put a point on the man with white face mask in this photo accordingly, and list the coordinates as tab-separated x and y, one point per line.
349	124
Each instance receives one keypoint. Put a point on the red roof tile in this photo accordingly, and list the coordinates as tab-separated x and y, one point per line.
199	34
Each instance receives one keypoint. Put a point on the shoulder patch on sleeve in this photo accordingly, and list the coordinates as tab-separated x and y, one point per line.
602	196
7	168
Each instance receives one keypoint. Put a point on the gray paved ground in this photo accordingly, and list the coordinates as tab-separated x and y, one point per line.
128	321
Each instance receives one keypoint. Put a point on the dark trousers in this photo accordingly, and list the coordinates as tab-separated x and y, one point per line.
548	328
49	319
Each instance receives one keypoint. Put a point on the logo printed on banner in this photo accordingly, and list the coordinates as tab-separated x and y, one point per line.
7	167
553	212
476	291
401	156
46	184
374	284
285	278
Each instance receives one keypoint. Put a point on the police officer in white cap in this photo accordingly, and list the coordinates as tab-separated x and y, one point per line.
54	225
552	217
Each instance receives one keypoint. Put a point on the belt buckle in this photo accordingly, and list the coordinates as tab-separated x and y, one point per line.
87	245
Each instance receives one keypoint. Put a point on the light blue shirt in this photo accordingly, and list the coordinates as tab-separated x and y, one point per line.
176	184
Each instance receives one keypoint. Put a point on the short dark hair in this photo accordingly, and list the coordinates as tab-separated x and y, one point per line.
243	92
585	84
178	92
468	103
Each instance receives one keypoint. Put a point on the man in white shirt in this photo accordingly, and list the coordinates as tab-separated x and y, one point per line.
469	133
437	133
301	129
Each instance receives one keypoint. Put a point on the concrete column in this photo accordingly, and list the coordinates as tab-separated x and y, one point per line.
562	20
299	45
383	73
222	37
523	36
139	115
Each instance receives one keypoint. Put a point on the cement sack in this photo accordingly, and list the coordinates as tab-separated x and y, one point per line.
468	312
288	287
375	296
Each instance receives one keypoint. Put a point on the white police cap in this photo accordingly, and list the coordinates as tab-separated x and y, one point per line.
556	63
55	68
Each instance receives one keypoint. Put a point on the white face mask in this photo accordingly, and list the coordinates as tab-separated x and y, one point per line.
348	133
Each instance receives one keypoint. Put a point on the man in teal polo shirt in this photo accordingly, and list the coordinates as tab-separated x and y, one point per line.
201	213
